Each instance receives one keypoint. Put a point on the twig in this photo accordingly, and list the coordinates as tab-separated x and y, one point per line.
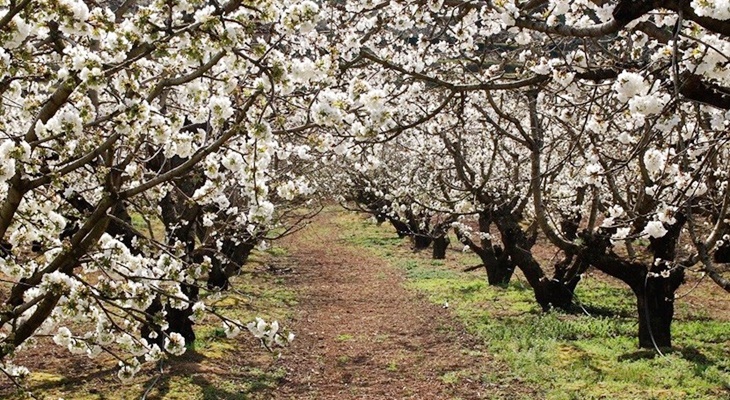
473	267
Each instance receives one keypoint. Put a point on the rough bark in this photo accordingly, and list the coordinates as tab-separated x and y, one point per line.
549	293
497	263
180	218
400	227
499	266
421	241
654	284
228	264
440	244
655	305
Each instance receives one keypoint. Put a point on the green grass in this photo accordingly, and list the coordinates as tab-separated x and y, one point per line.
450	378
344	337
392	366
277	251
566	355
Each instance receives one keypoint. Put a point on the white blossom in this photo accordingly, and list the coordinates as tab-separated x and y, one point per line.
175	344
630	84
654	229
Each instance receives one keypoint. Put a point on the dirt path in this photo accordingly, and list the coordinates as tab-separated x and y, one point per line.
361	335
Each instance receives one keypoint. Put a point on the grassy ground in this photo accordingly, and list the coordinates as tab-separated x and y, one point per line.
568	355
214	367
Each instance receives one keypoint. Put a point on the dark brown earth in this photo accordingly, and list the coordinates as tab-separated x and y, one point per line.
362	335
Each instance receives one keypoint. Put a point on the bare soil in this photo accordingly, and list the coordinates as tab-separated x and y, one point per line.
362	335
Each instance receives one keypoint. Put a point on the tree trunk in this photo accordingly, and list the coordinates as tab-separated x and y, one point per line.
176	212
440	244
655	294
179	320
498	264
549	293
655	319
654	286
236	254
499	275
655	304
420	241
217	279
400	227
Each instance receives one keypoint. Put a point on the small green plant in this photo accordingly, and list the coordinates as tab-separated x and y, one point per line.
392	366
277	251
450	378
344	337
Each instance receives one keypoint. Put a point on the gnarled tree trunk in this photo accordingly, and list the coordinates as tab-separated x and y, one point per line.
549	293
497	263
654	285
440	244
655	304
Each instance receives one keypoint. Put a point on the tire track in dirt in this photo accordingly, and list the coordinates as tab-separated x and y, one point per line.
362	335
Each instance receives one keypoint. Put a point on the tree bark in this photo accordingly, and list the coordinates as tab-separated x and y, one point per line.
440	244
177	213
656	311
497	262
654	284
400	227
421	241
549	293
499	266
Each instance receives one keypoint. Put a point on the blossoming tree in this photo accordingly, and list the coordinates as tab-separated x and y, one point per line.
108	109
623	115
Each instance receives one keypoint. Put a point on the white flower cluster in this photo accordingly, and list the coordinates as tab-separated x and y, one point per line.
290	189
614	212
654	229
620	235
717	9
655	161
10	152
269	333
104	112
228	107
15	371
630	84
301	16
175	344
637	91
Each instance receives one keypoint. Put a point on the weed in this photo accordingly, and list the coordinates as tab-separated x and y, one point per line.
276	251
450	378
392	367
380	338
344	337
